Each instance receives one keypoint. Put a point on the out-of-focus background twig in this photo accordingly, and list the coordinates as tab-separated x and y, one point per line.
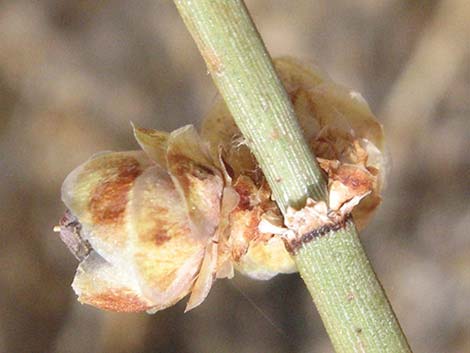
74	73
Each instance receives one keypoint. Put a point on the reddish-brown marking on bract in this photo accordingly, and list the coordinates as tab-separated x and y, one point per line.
161	238
245	229
252	227
357	180
185	168
324	148
160	210
109	199
163	227
294	95
116	300
245	189
158	234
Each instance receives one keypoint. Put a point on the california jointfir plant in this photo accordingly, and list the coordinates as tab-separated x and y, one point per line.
285	164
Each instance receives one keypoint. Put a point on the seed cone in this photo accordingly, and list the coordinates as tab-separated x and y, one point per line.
150	227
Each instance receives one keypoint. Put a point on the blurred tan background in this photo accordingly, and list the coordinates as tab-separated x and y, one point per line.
74	73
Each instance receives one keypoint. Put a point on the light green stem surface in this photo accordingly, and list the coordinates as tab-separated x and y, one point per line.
348	296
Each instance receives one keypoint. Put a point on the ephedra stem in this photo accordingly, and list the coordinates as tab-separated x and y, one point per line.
334	267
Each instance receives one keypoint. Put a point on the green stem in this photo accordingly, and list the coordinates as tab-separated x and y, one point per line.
348	296
243	72
351	302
